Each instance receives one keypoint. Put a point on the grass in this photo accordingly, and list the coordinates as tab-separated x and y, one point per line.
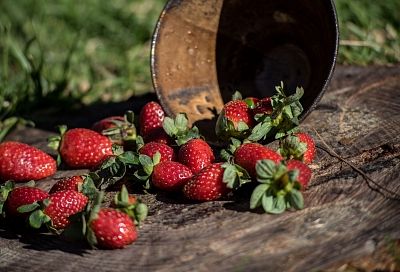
71	53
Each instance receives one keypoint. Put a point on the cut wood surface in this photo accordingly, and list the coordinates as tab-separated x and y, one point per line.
352	204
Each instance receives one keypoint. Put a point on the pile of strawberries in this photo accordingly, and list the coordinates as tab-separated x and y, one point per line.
166	155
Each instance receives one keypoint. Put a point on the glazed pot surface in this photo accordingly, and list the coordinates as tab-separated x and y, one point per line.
203	51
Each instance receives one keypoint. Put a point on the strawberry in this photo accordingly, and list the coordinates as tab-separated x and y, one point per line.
279	186
248	154
304	172
150	149
82	148
207	185
235	120
68	183
21	162
112	229
299	146
62	205
21	196
196	154
263	106
309	154
107	123
170	176
151	123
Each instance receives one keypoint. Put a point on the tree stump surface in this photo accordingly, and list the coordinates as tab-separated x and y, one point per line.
352	203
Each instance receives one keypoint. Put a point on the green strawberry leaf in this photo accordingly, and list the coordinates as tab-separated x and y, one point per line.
229	176
265	170
290	147
129	157
156	158
296	199
28	207
139	142
256	196
141	212
2	214
169	126
235	176
242	126
267	202
225	155
6	188
147	164
236	96
38	218
89	188
261	130
181	122
278	205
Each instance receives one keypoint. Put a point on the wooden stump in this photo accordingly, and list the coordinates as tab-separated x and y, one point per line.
352	204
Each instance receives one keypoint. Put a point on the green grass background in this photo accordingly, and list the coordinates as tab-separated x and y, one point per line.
67	53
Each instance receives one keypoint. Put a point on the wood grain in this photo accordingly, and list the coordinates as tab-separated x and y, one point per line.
346	216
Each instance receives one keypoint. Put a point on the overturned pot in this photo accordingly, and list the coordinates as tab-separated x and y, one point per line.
204	50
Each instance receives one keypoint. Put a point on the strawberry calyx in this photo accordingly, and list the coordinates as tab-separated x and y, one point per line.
284	119
54	142
91	215
179	129
227	154
234	175
5	189
124	131
278	189
37	218
113	169
133	207
291	147
146	167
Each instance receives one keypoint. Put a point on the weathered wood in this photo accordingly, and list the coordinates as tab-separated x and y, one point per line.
346	217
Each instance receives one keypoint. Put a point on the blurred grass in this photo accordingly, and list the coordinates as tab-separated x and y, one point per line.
70	53
370	31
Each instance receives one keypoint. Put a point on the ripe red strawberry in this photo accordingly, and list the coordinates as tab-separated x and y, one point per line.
150	149
84	148
248	154
64	204
305	173
151	123
68	183
207	184
21	162
309	154
196	154
113	229
170	176
107	123
263	106
23	196
235	120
